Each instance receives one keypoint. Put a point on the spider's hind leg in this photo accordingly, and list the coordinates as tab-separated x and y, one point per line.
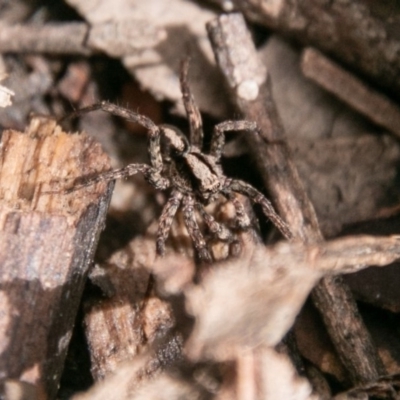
193	229
257	197
217	229
242	219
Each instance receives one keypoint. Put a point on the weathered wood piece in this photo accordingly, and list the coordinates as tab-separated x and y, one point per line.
69	38
130	318
47	241
249	82
362	34
351	90
116	39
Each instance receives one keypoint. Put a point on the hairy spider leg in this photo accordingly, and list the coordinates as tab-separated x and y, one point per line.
153	129
257	197
129	170
217	229
193	229
166	218
192	111
242	219
218	138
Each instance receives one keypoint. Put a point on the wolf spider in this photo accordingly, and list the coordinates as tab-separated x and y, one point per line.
194	178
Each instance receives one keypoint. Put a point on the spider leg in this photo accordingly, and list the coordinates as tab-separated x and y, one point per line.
193	229
218	138
219	230
255	196
166	218
154	130
192	111
242	219
129	170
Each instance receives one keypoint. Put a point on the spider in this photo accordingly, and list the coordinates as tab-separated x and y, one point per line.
193	177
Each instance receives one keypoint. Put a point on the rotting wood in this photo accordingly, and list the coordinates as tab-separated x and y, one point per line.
249	82
351	90
47	241
359	33
129	320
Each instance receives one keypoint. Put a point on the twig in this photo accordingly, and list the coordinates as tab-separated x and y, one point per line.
115	39
47	244
359	33
247	78
66	38
351	90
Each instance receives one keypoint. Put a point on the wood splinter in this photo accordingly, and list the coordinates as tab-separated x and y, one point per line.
47	241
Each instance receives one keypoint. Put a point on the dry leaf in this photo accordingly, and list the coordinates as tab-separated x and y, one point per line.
253	300
279	379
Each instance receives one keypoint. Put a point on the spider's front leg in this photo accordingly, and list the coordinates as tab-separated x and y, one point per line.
235	185
192	111
193	229
218	138
151	173
166	218
129	170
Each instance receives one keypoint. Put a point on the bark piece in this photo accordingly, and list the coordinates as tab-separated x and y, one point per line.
362	34
249	82
351	90
132	320
47	243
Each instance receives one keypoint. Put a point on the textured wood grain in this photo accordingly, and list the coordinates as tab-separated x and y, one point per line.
47	241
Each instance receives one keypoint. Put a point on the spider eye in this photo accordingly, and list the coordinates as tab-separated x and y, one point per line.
174	140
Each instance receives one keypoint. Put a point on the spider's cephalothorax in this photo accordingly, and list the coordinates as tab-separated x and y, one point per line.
193	172
194	178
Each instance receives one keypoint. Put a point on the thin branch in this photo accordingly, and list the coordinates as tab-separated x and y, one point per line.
249	82
351	90
359	33
68	38
114	38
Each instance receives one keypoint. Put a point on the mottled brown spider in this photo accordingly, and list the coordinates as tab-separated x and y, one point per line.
193	177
